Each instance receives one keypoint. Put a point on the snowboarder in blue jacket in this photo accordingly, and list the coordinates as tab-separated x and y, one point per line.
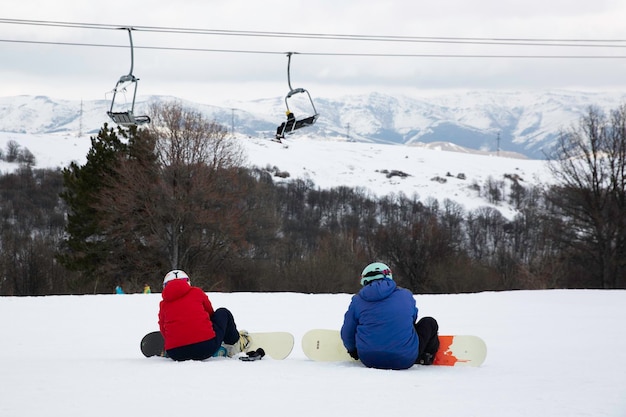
380	326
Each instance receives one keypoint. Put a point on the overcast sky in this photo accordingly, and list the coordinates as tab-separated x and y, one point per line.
211	68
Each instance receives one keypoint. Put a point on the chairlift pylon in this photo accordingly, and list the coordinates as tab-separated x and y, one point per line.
127	118
293	123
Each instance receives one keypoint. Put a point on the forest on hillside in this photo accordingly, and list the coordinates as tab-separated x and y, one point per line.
175	195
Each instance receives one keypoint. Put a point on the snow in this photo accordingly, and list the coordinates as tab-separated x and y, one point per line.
340	163
550	353
330	164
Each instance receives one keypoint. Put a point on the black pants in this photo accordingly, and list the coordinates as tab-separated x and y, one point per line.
225	331
285	127
427	331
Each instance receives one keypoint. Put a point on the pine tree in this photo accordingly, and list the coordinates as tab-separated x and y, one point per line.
84	247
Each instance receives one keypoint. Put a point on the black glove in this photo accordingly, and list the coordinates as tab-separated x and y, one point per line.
354	354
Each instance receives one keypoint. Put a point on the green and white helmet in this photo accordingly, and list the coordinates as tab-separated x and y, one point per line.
376	270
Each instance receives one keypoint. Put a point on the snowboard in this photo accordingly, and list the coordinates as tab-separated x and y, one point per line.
277	345
454	350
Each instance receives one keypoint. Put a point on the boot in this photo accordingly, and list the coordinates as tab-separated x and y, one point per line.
240	346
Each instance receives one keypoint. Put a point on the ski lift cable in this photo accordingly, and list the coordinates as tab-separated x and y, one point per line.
345	54
560	42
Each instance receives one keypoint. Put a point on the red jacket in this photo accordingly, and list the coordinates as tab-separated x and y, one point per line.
184	315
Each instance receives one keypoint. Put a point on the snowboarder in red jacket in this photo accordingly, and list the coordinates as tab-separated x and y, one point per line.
190	326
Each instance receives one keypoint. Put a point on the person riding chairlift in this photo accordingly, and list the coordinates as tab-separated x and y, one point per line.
286	126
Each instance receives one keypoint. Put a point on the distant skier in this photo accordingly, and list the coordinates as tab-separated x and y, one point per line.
379	327
119	290
190	326
146	289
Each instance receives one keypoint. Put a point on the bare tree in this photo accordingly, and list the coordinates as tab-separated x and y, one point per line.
13	151
589	164
175	200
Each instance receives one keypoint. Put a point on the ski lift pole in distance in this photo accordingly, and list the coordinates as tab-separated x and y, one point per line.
293	123
127	118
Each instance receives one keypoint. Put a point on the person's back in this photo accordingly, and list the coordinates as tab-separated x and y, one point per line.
379	325
190	326
184	315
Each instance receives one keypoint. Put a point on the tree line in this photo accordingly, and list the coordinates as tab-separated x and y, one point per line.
176	195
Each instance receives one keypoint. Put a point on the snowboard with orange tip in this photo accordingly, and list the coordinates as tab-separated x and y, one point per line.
454	350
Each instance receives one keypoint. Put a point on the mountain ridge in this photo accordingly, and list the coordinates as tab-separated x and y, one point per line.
524	123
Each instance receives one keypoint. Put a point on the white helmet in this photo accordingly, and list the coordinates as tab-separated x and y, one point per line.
175	274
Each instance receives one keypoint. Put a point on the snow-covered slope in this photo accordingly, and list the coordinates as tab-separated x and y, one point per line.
427	172
78	356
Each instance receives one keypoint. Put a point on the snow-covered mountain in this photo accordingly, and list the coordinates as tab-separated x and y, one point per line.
522	122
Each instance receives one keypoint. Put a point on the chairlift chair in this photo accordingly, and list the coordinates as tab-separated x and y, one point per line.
291	125
127	118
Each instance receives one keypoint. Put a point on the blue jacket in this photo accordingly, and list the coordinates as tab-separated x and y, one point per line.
379	325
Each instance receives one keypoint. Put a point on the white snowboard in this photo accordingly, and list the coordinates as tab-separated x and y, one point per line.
455	350
277	345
